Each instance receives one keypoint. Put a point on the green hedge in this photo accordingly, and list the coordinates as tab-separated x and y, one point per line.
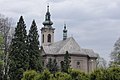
112	73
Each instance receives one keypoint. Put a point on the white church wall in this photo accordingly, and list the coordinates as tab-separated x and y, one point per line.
92	65
80	63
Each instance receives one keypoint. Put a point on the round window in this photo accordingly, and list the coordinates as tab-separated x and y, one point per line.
78	63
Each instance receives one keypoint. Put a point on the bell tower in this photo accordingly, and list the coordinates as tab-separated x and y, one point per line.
47	31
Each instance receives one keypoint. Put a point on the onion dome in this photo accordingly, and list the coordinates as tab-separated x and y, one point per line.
47	18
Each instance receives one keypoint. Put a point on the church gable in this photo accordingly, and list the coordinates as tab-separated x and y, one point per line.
61	47
71	46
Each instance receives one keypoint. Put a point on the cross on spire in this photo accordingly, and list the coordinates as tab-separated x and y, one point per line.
48	7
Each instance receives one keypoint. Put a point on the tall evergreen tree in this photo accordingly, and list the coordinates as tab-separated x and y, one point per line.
18	55
35	62
62	66
55	66
52	65
65	65
49	65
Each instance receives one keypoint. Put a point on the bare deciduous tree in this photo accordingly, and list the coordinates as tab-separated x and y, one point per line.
5	25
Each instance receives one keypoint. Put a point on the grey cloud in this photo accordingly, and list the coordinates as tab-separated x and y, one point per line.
90	11
93	23
56	1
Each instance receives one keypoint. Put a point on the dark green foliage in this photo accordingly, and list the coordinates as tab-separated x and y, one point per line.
18	56
33	75
49	64
35	62
55	66
99	74
77	75
45	75
29	75
62	76
62	66
112	73
52	65
65	65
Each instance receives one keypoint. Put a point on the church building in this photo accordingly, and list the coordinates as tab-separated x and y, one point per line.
81	59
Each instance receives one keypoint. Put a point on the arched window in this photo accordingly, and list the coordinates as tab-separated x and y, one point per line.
49	38
43	38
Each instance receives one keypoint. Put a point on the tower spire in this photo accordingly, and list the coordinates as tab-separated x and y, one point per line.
47	32
47	18
64	26
48	7
64	32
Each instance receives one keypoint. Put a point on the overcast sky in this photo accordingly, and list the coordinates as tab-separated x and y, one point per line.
94	24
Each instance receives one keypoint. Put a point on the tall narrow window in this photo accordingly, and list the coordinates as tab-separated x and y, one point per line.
49	38
43	38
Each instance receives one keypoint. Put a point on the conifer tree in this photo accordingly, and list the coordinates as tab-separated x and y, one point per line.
62	66
65	65
49	65
52	66
55	66
18	55
35	62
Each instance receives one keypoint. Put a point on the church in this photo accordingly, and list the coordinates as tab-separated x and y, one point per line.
81	59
